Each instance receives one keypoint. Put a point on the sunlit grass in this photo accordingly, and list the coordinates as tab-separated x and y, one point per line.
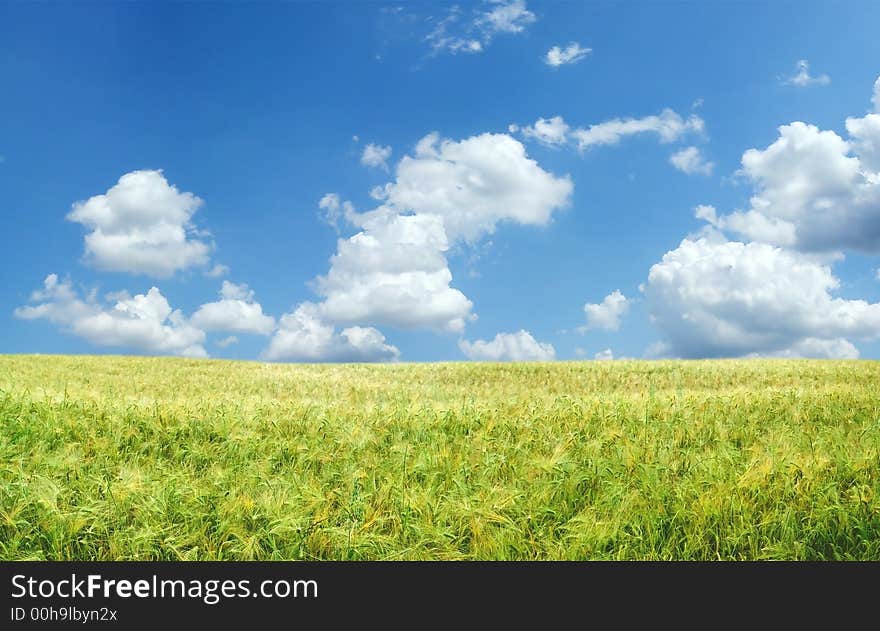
147	458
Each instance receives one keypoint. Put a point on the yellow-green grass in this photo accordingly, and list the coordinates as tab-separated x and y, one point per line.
148	458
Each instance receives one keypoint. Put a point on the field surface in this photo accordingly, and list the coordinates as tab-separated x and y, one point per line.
148	458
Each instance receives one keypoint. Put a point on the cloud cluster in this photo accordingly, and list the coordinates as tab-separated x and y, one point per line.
142	225
815	196
813	190
394	271
519	346
144	322
571	54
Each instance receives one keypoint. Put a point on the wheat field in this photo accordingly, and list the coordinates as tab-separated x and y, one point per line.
159	458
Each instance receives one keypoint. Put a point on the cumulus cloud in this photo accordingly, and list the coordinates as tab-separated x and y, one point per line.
571	54
816	195
236	311
813	190
606	355
606	315
303	336
475	184
519	346
865	140
668	126
802	78
690	160
393	272
145	322
714	298
752	223
142	225
376	156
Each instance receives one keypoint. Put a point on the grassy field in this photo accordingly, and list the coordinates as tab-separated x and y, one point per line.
148	458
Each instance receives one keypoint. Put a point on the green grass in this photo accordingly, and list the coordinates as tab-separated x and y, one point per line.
147	458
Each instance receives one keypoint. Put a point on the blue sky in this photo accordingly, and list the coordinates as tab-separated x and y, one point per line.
547	217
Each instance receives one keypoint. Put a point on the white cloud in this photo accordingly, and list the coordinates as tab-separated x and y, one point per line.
813	190
865	141
235	311
838	348
752	223
876	98
519	346
303	336
59	303
227	341
335	210
690	160
141	225
452	35
475	183
507	17
712	298
376	156
668	126
801	78
145	322
605	355
393	272
549	131
457	33
606	315
217	271
571	54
